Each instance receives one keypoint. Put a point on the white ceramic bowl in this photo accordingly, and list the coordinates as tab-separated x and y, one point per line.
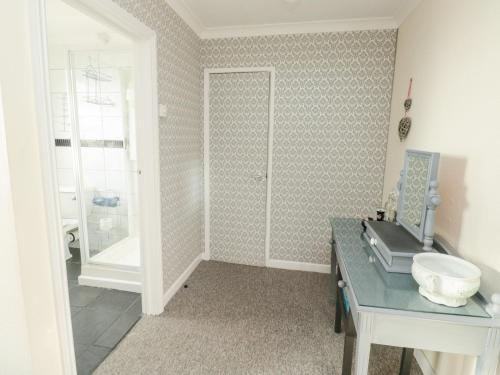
445	279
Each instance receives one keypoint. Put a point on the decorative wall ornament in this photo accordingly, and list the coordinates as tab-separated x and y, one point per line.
391	205
405	122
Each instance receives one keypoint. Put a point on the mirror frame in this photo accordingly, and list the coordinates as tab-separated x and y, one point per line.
426	228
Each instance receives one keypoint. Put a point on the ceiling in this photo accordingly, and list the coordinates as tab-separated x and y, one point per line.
226	18
68	26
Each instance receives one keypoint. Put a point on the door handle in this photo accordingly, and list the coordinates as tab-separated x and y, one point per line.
259	177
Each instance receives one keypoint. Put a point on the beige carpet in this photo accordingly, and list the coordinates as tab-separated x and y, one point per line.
234	319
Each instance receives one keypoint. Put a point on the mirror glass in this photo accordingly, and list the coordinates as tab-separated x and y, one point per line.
420	168
414	189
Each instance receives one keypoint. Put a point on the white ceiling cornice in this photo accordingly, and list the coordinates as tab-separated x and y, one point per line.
187	15
299	28
190	17
404	11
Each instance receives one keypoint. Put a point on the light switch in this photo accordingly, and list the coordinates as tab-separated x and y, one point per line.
162	110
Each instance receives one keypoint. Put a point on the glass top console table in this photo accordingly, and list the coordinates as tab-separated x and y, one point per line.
387	309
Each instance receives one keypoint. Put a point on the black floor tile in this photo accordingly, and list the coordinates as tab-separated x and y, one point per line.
81	296
72	283
73	270
75	254
79	348
136	307
100	317
117	331
89	358
114	300
89	325
75	310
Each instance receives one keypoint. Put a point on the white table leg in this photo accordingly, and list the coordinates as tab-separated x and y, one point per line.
365	329
488	361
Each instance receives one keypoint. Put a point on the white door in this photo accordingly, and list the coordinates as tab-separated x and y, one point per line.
239	124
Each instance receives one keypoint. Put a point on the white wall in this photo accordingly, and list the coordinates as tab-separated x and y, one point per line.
451	48
14	352
29	220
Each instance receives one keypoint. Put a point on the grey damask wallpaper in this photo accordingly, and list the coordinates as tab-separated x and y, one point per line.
181	164
333	93
331	121
239	110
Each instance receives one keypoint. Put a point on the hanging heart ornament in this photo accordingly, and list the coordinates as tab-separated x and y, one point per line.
407	104
405	122
404	128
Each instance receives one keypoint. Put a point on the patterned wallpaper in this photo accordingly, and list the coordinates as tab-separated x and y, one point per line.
239	110
333	93
181	165
331	120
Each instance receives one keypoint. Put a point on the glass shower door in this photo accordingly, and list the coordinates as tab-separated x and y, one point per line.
102	84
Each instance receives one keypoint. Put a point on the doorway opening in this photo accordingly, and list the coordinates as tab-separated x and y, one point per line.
95	75
91	80
92	96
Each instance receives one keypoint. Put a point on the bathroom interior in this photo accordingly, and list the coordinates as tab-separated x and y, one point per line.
92	96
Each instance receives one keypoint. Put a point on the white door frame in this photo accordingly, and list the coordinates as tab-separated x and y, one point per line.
206	150
145	66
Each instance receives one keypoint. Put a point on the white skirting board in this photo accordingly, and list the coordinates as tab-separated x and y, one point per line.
103	282
299	266
423	362
181	280
105	276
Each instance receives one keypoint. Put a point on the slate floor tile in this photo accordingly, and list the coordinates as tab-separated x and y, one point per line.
79	349
100	318
75	310
136	308
75	252
72	283
117	331
73	270
81	296
114	300
89	325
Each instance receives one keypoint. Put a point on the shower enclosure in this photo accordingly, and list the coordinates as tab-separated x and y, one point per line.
98	103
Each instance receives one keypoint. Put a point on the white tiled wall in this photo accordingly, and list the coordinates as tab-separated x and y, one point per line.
62	129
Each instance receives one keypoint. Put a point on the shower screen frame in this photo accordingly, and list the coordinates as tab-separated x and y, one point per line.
77	158
80	191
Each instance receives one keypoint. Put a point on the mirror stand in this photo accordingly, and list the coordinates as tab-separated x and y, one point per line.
395	244
433	200
418	195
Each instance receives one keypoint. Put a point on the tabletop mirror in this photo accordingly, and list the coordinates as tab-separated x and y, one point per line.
418	196
395	243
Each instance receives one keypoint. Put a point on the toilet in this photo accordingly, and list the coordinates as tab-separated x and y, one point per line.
70	234
69	214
